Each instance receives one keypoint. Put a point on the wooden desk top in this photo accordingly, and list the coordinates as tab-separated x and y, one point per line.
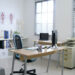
47	42
34	53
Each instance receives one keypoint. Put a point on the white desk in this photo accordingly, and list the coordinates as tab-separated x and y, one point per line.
43	42
28	54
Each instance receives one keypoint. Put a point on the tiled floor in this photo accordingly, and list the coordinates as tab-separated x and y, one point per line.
38	64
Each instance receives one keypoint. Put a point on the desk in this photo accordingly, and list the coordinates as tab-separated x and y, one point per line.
34	54
47	42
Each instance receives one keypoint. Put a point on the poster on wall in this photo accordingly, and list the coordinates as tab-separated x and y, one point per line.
2	18
11	18
7	21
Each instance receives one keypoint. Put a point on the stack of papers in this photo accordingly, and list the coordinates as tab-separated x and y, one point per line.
35	48
32	48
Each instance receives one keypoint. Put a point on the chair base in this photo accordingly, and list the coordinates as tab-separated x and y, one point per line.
2	71
30	72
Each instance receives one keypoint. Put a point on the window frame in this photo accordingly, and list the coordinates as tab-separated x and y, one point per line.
54	2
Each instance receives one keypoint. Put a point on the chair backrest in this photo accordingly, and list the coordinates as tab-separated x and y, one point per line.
17	42
44	36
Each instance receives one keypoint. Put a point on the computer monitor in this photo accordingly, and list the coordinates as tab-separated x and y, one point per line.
44	36
54	38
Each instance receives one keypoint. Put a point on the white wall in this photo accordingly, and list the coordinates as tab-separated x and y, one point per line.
24	13
11	6
29	14
29	17
63	18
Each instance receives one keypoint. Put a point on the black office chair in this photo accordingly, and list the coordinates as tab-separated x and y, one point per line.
18	45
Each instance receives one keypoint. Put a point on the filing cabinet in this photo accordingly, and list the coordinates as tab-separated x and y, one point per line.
69	57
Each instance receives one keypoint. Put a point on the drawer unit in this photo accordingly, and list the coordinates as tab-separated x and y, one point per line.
69	57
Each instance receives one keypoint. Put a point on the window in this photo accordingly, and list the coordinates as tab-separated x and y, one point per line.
44	16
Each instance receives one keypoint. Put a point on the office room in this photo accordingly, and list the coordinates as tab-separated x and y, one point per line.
37	37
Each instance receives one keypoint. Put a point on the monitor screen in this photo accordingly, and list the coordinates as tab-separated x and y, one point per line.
44	36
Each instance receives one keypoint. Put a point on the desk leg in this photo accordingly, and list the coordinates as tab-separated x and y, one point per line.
48	62
25	65
58	62
62	63
13	64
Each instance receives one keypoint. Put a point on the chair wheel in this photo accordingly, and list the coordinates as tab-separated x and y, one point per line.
34	71
10	73
21	70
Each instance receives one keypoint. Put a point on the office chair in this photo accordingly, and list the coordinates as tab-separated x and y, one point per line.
18	45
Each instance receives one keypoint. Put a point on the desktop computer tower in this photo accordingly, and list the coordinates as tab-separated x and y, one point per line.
54	38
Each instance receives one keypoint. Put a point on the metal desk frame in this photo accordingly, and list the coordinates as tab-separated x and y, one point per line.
25	61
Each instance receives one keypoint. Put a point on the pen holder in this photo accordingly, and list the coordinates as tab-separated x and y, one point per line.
55	46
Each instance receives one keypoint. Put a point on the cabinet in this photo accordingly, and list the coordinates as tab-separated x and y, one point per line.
1	44
4	43
69	54
8	45
69	57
